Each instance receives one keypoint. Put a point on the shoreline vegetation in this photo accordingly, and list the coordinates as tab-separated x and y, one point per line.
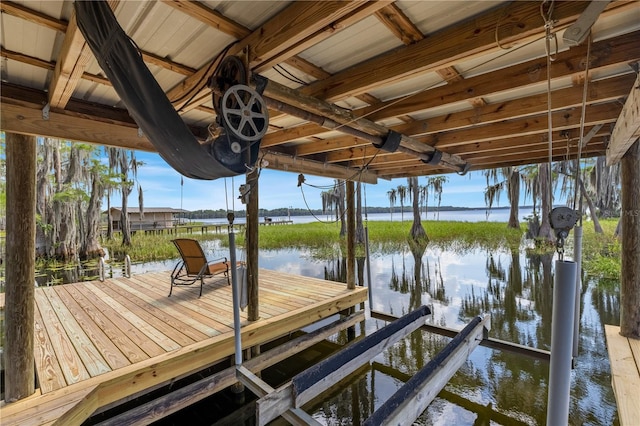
601	252
284	211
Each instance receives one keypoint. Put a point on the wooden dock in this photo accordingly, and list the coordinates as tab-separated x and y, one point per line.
624	356
98	343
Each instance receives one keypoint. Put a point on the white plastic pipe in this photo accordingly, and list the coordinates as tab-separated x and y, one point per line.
562	321
577	257
236	297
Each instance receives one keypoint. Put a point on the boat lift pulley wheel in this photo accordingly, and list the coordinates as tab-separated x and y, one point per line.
230	72
244	114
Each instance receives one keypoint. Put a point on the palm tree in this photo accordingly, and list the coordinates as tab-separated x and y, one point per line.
437	182
392	194
402	196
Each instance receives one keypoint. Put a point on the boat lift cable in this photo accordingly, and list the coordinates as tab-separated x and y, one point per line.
585	90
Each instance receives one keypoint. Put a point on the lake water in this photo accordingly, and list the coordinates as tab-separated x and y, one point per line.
492	387
476	215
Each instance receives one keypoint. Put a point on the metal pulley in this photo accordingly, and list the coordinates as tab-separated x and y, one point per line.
562	220
242	118
244	113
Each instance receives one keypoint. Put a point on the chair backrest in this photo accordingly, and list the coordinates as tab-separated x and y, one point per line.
191	253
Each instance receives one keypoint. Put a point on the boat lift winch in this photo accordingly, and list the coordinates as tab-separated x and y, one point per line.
242	117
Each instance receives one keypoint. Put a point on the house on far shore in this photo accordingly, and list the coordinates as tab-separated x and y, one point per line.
151	217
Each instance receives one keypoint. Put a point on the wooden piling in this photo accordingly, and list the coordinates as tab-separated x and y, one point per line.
630	274
351	236
20	266
251	248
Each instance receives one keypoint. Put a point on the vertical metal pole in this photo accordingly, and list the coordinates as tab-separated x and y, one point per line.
366	247
562	321
577	257
236	296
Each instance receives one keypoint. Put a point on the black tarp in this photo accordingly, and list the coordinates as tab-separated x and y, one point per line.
149	106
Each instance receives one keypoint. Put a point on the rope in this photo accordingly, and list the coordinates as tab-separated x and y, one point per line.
548	25
582	119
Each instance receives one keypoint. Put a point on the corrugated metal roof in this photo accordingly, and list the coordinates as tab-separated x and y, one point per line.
375	66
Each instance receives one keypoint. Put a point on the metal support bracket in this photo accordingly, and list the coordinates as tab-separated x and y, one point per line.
390	143
45	111
436	156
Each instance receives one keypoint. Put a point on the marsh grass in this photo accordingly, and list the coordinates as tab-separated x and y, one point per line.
601	252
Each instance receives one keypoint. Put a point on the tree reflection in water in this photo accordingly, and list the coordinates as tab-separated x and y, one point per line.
493	386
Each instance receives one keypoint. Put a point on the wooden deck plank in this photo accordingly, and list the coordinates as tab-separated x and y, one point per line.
151	332
128	348
203	306
199	323
90	355
72	366
625	375
42	410
149	318
109	351
75	402
162	312
50	375
127	329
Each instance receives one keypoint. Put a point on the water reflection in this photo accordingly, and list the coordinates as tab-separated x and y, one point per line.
492	387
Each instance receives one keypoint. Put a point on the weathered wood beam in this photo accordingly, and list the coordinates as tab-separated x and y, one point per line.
62	25
630	212
293	164
627	128
197	391
604	54
37	62
285	135
473	120
19	311
342	20
408	402
570	97
342	117
567	119
260	388
399	24
445	48
210	17
74	57
30	15
299	20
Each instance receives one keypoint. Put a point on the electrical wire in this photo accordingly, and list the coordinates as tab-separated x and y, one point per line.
288	75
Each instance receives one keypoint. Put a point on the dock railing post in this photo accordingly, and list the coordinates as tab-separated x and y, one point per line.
562	321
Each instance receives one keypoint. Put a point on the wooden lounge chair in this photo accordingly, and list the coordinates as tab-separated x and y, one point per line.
194	265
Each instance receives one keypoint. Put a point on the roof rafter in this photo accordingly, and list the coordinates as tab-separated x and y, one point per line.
445	48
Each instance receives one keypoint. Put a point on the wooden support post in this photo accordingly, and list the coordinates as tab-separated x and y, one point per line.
253	312
630	275
20	266
414	397
351	236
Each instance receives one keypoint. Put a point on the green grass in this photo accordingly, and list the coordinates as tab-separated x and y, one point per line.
601	252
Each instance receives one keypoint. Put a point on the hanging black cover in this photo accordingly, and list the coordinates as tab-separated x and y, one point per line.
148	104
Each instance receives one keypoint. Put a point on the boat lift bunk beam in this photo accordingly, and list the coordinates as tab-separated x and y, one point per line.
289	398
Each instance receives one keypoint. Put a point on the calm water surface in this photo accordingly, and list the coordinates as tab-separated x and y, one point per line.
492	387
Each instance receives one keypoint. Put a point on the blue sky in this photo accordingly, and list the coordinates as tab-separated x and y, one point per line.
161	188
